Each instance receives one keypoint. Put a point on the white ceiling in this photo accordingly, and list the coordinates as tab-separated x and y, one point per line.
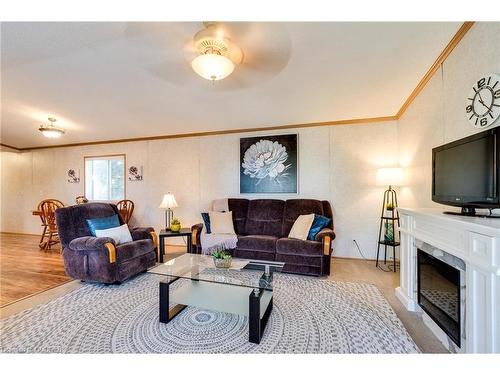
105	81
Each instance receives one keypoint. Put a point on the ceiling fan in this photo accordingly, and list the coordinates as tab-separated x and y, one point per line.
235	55
218	55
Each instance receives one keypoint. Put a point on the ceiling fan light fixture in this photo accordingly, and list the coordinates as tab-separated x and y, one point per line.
212	66
51	131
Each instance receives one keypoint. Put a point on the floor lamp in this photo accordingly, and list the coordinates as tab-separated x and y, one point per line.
168	203
389	218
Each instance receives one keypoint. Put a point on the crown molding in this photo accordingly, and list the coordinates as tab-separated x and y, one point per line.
434	67
423	82
224	132
12	147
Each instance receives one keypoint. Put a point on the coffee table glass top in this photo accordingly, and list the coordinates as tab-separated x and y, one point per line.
243	272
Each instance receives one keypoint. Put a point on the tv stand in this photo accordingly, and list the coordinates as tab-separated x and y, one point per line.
468	211
471	211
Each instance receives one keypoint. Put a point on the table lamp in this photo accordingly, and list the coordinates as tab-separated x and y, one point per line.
168	203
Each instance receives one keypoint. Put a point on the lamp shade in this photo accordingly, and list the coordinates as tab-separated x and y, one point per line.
168	201
51	132
212	66
390	176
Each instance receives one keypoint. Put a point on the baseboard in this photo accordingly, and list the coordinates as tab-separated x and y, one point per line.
409	304
22	234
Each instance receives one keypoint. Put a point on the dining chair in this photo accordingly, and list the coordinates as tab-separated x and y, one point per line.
38	212
125	207
48	208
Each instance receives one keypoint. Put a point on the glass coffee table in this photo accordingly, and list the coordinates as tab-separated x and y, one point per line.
244	289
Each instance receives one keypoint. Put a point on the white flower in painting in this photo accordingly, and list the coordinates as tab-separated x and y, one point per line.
265	158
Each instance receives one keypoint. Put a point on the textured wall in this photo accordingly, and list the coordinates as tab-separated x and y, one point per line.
437	115
335	163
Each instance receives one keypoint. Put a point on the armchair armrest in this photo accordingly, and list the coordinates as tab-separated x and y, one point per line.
147	233
325	232
142	233
195	234
326	236
89	243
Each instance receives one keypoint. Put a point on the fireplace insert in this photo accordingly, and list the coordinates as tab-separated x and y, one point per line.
439	293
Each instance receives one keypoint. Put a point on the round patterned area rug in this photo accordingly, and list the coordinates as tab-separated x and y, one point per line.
310	315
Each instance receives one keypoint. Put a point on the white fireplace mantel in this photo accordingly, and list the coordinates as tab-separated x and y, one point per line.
477	242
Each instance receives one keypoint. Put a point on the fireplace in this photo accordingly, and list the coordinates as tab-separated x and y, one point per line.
440	281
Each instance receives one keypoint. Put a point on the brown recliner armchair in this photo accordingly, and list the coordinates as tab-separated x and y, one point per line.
91	258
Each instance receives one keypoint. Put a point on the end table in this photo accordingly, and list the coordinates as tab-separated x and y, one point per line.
184	232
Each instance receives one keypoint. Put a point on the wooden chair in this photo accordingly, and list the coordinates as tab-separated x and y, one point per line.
38	212
126	207
48	208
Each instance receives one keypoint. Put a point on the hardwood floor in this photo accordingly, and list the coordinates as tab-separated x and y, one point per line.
25	269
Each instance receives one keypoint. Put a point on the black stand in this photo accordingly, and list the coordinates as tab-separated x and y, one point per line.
256	324
167	313
389	215
164	234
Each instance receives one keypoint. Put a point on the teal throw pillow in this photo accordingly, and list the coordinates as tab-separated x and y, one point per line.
319	223
103	223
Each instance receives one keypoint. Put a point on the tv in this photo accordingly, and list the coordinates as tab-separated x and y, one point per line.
465	173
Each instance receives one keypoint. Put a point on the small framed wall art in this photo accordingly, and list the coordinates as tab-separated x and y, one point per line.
135	173
73	176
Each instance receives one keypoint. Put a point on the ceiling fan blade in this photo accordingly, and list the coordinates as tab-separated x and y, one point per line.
266	51
175	72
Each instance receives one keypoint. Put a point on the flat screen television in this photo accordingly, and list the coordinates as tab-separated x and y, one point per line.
465	172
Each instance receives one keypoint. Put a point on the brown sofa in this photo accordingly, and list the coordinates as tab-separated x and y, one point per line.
262	227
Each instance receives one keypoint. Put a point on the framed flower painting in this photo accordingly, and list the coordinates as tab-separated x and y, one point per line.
268	164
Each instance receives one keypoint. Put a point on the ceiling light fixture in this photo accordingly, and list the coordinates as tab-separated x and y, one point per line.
51	131
217	54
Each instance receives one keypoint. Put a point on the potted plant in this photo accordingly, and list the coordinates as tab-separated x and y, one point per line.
222	259
175	225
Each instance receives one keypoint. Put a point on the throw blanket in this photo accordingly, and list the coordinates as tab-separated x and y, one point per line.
208	241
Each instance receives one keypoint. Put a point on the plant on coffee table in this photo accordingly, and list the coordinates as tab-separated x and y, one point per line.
221	257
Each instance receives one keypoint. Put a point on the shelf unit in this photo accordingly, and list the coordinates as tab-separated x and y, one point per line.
389	218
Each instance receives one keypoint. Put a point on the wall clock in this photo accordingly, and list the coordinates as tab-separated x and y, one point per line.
483	103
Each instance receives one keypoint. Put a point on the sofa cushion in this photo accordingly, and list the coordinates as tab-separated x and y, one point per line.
295	207
257	243
133	249
299	247
239	207
254	254
265	217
